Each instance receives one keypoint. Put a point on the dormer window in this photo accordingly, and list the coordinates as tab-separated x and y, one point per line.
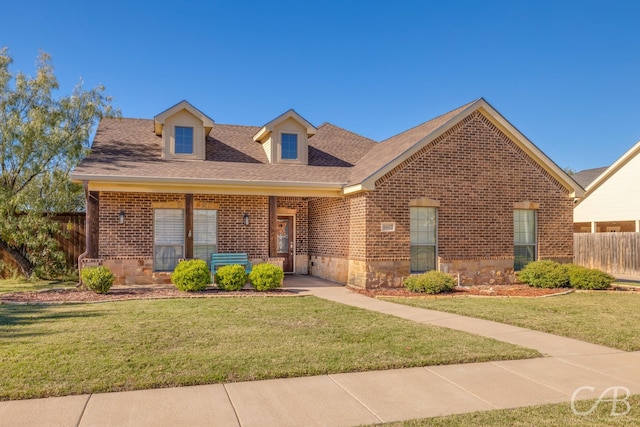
285	139
184	131
289	146
183	140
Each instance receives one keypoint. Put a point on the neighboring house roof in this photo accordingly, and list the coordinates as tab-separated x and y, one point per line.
587	176
615	167
128	152
614	195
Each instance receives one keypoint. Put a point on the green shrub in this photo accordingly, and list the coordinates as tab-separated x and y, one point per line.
586	278
191	275
266	277
98	279
432	282
545	274
231	277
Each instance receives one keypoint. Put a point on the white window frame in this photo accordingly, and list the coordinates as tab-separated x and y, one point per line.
211	240
172	241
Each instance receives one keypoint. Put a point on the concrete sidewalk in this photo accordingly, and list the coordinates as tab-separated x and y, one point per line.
358	398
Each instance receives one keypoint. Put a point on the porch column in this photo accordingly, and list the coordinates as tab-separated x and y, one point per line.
637	225
593	227
273	226
92	224
188	222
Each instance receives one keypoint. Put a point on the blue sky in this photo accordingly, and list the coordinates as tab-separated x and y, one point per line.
565	73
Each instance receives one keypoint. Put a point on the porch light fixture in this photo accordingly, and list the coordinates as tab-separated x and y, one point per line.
121	216
245	219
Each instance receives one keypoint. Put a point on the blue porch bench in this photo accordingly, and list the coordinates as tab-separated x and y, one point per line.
219	260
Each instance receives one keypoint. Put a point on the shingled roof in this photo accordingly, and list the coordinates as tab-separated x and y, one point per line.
393	148
587	176
129	151
129	148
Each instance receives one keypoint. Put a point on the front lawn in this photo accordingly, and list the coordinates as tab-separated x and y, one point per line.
52	350
557	414
607	318
22	285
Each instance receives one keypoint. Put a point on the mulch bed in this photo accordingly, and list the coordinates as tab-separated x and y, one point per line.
60	296
476	291
76	295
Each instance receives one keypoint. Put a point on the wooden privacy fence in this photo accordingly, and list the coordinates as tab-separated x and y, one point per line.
615	253
72	242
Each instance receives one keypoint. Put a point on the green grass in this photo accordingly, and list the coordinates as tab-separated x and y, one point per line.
607	318
83	348
22	285
559	414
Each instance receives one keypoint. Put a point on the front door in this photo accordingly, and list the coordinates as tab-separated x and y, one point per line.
285	242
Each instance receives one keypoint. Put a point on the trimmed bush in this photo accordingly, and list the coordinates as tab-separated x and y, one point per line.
266	277
98	279
432	282
191	275
587	278
231	277
545	274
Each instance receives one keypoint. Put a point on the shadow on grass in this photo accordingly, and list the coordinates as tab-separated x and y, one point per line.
28	314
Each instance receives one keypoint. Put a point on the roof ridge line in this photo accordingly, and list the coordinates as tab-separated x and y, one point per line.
349	131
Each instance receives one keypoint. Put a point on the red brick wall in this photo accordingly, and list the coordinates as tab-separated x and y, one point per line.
329	227
233	236
337	227
358	236
476	173
135	237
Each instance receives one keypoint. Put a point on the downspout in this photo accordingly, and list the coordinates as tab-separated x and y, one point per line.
87	233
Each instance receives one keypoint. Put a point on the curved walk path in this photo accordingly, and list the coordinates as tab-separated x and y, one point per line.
359	398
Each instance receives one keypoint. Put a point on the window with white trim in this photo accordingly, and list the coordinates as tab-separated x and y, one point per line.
205	233
423	238
524	237
168	240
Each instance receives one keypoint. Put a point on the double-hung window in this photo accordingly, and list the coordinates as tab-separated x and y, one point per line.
205	233
524	237
168	245
183	140
423	238
289	146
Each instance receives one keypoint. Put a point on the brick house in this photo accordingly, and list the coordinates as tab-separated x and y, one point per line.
464	193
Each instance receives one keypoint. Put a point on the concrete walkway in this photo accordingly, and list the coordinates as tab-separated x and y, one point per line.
358	398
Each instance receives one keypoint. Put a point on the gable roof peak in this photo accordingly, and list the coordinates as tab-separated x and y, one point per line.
391	152
266	130
159	119
462	110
